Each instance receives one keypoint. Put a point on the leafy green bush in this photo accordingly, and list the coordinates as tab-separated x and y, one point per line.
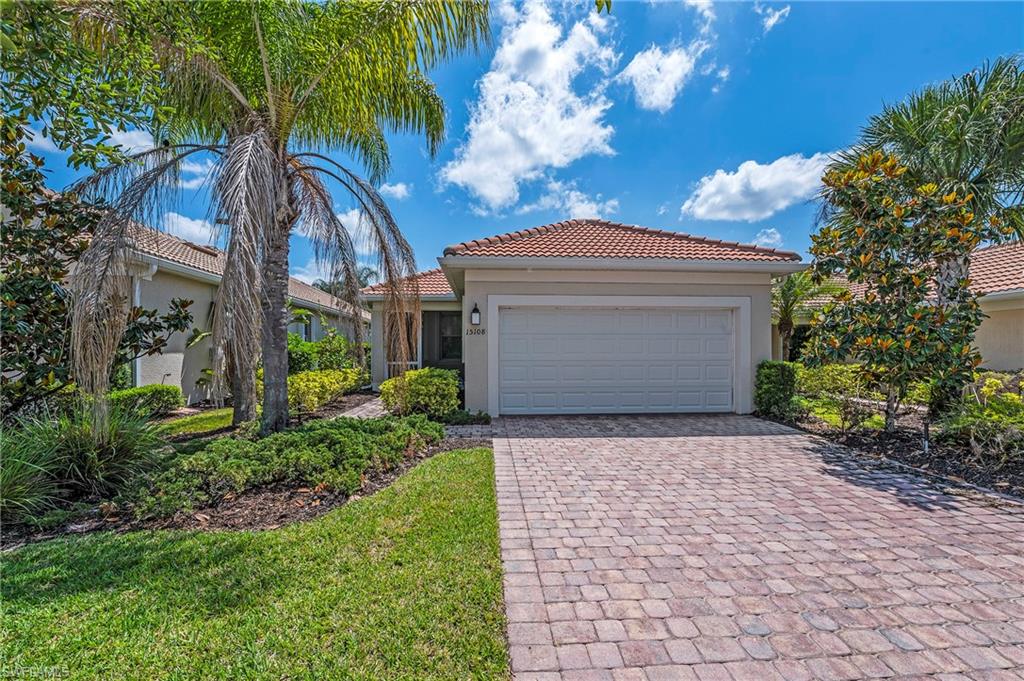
149	400
28	477
839	393
334	454
301	354
461	417
775	388
990	422
80	463
310	390
333	352
431	391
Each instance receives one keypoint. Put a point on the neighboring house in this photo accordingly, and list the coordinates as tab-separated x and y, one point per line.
168	267
589	316
997	276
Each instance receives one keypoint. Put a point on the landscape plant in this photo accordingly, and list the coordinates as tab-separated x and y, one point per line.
793	297
884	231
775	389
268	87
148	400
430	391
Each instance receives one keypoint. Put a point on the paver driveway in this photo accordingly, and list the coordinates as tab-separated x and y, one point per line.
728	547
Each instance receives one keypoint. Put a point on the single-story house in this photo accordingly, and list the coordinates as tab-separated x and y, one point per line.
167	267
997	276
588	316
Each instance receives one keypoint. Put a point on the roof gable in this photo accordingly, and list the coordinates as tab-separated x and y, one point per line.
594	238
431	283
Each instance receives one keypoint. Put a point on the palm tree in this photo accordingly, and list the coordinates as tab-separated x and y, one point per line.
965	134
365	274
266	89
792	296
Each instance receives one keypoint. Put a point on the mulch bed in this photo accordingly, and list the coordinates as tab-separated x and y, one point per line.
265	508
905	445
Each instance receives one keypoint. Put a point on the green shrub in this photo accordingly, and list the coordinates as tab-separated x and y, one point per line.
310	390
149	400
431	391
840	394
461	417
301	354
991	424
28	477
775	388
333	352
82	463
334	454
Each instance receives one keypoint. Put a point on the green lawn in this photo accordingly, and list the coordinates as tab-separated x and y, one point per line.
403	584
204	422
830	415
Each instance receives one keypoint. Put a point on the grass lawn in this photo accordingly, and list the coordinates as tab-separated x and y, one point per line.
830	415
403	584
204	422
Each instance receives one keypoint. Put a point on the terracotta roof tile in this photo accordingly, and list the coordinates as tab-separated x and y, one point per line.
212	261
994	269
593	238
430	283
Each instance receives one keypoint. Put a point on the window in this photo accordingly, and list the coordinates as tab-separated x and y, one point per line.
450	325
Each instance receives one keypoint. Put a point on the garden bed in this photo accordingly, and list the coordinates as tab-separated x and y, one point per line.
904	445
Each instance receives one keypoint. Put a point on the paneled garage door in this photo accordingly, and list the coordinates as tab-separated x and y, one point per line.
562	360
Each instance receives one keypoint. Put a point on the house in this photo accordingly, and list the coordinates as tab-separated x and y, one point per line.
997	276
166	267
590	316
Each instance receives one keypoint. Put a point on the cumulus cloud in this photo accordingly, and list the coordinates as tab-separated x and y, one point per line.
529	116
768	237
658	76
706	10
190	229
770	18
755	191
37	142
194	174
397	191
311	271
131	141
565	198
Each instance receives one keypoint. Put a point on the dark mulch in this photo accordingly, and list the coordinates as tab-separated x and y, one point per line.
265	508
905	445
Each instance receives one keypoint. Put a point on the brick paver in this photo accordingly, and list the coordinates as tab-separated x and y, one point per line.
725	547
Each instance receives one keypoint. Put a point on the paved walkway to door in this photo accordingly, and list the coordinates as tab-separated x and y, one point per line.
725	547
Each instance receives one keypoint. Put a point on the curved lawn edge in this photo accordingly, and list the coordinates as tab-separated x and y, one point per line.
404	583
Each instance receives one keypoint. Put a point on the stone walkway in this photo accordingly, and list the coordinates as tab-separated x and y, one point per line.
727	547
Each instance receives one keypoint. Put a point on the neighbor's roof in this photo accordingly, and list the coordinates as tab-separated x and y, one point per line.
994	269
212	261
429	283
593	238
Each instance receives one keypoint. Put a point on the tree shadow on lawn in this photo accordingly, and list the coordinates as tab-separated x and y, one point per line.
909	488
204	573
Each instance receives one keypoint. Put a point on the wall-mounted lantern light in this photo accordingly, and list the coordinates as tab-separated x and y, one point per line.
474	316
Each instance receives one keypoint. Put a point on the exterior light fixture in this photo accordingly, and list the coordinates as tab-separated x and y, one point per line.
474	316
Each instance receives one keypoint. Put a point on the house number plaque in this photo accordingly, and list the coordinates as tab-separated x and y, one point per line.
476	332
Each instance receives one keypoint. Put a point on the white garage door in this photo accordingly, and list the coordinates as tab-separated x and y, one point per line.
615	360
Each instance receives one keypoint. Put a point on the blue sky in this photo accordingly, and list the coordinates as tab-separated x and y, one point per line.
712	119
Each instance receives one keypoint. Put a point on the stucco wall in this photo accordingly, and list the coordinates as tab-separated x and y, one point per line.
483	283
178	365
377	361
1000	338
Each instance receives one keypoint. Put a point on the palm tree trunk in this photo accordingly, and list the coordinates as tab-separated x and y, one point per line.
785	337
948	273
275	334
243	399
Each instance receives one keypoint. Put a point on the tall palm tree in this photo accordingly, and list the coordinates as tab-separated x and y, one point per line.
365	274
267	88
965	134
792	296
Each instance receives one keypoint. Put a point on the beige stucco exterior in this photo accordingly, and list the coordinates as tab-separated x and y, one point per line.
154	288
1000	338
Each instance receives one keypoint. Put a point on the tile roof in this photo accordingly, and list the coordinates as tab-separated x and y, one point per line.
212	261
994	269
430	283
593	238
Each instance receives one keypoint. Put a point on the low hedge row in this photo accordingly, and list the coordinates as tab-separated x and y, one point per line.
334	454
430	391
311	390
149	400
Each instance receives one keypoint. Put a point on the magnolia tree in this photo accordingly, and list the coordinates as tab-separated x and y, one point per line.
896	236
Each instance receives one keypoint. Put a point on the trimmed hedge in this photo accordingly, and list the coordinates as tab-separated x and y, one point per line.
150	400
775	388
431	391
311	390
334	454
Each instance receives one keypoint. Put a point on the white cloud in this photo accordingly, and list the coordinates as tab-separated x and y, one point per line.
398	191
570	202
663	208
770	18
706	10
131	141
658	76
194	174
190	229
529	117
768	237
310	272
754	191
37	142
722	75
